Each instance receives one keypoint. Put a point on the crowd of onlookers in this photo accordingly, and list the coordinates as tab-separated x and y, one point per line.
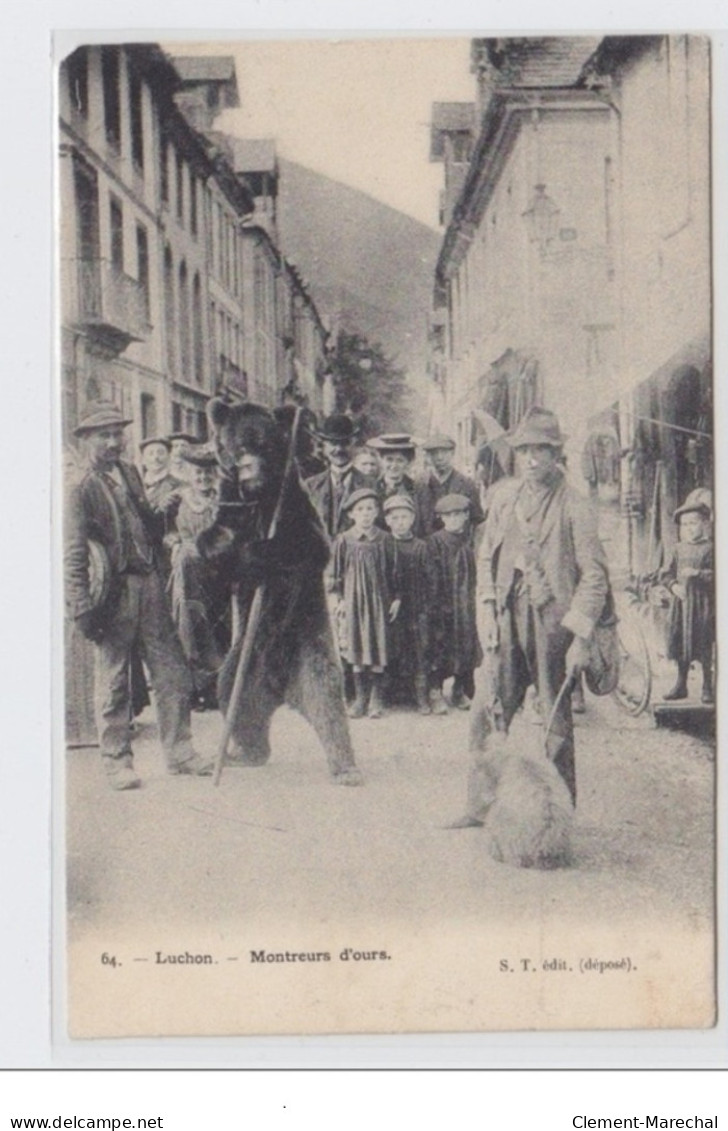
400	582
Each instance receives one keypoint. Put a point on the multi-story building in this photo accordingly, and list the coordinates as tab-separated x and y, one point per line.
575	264
524	283
169	290
661	403
113	334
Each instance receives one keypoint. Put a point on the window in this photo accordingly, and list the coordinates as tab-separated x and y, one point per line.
177	425
169	316
149	415
87	206
116	225
180	188
184	322
143	263
193	204
135	119
110	83
197	342
77	67
164	170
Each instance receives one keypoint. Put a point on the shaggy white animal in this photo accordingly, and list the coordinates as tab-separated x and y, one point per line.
523	805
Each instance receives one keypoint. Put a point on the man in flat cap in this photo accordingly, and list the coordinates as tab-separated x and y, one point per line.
201	592
543	584
106	506
154	452
330	489
179	444
442	479
161	487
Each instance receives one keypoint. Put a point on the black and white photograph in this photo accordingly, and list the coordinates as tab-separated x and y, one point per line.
386	430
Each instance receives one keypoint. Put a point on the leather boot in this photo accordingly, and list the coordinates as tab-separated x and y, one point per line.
680	690
423	703
376	702
120	772
437	701
358	707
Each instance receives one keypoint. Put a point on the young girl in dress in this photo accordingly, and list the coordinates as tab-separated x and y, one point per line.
690	578
365	579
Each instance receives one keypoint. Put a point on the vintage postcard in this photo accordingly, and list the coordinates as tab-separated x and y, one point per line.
387	433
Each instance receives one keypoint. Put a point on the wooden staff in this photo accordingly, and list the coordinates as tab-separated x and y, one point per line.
256	608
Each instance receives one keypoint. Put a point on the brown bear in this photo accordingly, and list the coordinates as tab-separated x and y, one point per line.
293	659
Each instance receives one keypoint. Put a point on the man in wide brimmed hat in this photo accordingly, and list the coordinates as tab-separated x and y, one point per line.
330	489
442	479
107	505
543	585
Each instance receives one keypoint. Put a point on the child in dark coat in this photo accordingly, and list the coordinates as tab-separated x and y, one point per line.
410	628
456	649
690	579
365	579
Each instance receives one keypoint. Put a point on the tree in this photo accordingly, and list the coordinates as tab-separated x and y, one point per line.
369	385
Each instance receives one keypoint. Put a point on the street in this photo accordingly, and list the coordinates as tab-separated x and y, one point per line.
282	842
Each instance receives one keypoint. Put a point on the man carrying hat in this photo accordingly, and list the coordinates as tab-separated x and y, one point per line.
443	480
330	489
543	583
107	505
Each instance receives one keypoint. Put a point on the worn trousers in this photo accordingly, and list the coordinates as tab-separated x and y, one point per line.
141	618
532	650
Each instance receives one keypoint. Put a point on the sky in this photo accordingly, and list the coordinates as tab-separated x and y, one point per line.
357	110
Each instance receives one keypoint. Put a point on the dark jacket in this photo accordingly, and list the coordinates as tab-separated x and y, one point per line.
321	491
93	512
429	491
567	548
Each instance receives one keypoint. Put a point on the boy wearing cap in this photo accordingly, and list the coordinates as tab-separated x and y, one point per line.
443	480
107	505
366	581
410	627
456	649
330	489
543	583
690	579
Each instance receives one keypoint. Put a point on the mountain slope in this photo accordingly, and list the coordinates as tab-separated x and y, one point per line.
369	267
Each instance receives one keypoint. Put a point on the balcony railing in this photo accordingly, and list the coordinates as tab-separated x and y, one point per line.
111	305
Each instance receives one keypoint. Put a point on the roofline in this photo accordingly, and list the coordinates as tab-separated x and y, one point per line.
501	126
613	51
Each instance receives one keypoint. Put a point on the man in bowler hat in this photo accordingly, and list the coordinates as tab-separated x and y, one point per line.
330	489
543	582
107	505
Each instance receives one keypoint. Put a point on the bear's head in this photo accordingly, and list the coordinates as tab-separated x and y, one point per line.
243	429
